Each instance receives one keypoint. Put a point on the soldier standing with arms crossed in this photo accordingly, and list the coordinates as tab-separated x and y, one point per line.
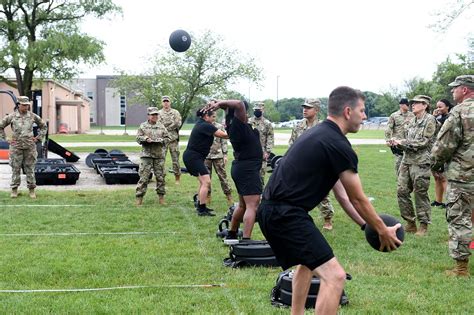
265	128
23	144
153	137
414	173
396	128
311	109
217	157
171	119
455	146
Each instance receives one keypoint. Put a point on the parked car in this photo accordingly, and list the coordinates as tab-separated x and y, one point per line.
376	121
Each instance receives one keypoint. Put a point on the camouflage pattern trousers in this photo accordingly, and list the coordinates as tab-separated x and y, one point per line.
460	203
263	171
219	166
398	162
416	179
150	166
25	158
326	208
173	147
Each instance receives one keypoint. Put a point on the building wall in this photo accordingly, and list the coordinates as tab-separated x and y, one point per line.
88	87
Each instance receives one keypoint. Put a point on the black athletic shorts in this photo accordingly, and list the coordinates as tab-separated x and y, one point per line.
246	176
194	163
292	235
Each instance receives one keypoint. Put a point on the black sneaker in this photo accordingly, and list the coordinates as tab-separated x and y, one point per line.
435	204
231	238
205	214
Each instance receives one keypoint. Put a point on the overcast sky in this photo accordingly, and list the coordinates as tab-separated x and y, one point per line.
312	46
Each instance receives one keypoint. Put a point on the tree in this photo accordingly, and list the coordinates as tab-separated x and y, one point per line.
205	70
447	16
42	37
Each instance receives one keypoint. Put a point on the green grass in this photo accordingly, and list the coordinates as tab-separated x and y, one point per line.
409	280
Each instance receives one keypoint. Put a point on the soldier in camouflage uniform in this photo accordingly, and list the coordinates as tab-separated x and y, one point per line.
265	129
414	173
396	129
455	146
23	152
311	109
171	119
217	157
153	136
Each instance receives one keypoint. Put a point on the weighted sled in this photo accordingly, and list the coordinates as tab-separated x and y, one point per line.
286	280
275	161
252	249
285	298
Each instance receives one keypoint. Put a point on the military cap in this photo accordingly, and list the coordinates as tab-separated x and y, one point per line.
152	110
165	98
259	106
421	98
23	100
403	101
312	102
467	80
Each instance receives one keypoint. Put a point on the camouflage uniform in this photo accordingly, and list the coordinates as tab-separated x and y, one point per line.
414	173
216	158
152	157
396	129
265	129
171	119
325	206
455	146
22	146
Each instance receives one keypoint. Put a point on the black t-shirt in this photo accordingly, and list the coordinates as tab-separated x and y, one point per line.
201	138
442	118
245	141
311	167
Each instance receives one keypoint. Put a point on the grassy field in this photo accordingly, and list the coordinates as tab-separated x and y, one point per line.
180	248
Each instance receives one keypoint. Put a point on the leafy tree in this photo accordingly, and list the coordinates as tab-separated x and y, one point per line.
42	37
271	112
448	15
290	108
205	70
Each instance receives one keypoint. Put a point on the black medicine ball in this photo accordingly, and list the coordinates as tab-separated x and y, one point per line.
372	236
180	40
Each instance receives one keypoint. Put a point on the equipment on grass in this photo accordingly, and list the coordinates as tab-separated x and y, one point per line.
223	229
372	236
251	253
180	40
282	291
275	161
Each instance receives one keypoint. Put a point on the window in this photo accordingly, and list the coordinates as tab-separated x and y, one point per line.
123	109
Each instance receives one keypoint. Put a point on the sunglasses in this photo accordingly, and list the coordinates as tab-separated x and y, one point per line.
166	101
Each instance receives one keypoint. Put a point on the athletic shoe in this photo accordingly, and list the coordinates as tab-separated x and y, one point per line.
231	238
205	214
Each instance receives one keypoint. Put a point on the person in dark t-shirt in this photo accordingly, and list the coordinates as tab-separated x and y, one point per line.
245	171
199	144
304	176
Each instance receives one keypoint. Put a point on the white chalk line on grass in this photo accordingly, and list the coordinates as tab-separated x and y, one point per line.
213	285
86	233
49	206
204	250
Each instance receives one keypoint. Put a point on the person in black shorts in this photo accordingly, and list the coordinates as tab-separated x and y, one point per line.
304	176
199	144
245	171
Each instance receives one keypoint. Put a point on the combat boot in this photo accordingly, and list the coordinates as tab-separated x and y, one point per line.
14	193
161	199
177	179
460	270
422	230
410	227
139	201
32	193
327	224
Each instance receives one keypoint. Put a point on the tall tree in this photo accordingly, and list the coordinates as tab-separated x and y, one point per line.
42	38
205	70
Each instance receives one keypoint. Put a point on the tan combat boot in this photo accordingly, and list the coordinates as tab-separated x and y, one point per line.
161	199
139	201
14	193
230	202
422	230
327	224
32	193
460	270
410	227
177	179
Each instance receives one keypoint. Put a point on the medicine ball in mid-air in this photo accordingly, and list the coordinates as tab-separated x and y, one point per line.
372	236
180	40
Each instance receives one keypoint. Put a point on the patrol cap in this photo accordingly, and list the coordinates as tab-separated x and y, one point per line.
312	102
152	110
467	80
23	100
259	106
165	98
421	98
403	100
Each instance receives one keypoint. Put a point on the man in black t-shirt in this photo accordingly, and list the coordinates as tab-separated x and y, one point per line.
304	176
